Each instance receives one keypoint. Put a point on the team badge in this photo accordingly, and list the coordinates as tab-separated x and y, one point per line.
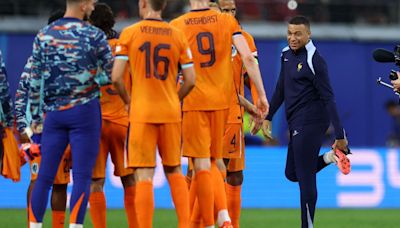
299	67
35	168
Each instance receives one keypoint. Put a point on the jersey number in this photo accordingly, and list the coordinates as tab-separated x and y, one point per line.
157	59
233	141
209	51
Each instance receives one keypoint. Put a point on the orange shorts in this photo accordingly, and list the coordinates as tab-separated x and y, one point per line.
63	172
144	138
203	133
234	147
233	141
113	137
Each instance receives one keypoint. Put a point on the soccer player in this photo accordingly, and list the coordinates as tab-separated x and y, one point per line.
154	49
234	136
211	36
113	134
30	145
310	107
71	59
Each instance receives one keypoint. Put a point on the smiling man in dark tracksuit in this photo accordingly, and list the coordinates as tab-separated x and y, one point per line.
310	107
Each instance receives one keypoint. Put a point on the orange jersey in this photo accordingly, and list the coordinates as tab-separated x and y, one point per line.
235	110
112	106
210	36
154	49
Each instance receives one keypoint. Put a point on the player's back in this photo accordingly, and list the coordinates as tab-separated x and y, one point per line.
154	49
210	35
112	106
70	50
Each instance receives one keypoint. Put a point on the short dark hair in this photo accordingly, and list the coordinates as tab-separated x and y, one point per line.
157	5
54	16
300	20
103	18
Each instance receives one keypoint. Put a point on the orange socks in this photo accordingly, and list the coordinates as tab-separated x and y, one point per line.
219	188
221	207
97	202
129	203
233	194
205	194
144	203
58	218
180	196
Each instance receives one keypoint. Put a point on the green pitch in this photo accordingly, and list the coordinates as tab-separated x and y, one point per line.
326	218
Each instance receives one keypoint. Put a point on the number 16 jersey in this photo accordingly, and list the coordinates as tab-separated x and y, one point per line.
154	49
210	35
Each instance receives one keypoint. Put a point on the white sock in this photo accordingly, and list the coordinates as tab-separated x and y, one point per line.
223	216
75	226
35	225
329	157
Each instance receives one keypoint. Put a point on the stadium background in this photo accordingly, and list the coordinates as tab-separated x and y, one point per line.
345	32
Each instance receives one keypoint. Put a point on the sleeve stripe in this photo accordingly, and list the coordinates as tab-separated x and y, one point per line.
237	33
187	65
122	57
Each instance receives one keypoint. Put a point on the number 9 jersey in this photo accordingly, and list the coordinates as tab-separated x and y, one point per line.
154	50
210	35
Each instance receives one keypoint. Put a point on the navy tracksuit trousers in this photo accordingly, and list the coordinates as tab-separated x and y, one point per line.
302	164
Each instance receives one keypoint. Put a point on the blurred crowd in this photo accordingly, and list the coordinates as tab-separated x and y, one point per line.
323	11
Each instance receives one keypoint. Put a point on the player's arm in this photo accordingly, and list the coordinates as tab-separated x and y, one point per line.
21	103
247	105
189	80
35	84
118	78
5	97
253	70
322	84
104	60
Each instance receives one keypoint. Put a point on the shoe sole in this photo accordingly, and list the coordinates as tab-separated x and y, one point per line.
343	162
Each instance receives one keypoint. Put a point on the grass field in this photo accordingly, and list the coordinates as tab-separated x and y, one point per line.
325	218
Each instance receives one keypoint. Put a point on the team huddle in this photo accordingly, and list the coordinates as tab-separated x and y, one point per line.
176	88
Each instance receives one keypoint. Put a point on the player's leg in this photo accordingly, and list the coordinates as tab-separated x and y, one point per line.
170	152
97	199
58	204
117	137
59	191
54	141
84	122
196	135
218	170
34	169
306	145
129	184
234	160
142	156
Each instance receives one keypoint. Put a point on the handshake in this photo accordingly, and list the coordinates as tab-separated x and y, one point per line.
257	116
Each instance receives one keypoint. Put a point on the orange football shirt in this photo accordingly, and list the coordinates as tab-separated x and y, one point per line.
112	106
236	112
210	35
154	50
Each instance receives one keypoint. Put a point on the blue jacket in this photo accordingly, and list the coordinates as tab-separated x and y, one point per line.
305	88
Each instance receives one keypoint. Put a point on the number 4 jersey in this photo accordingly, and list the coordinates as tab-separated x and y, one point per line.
210	35
154	50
